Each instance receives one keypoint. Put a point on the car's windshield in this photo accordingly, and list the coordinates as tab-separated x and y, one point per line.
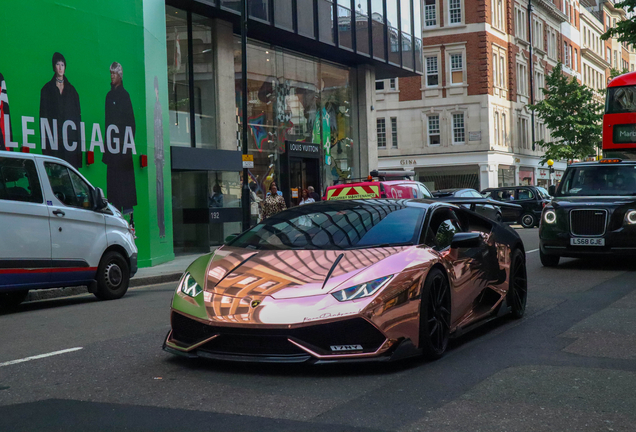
339	225
544	193
599	180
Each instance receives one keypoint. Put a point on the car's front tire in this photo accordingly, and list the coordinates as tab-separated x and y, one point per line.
517	285
435	315
113	276
549	260
528	220
10	300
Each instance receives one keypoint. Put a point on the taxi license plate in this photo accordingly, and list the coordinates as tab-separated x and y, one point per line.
586	241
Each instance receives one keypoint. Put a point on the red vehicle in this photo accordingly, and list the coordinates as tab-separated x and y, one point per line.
399	185
619	121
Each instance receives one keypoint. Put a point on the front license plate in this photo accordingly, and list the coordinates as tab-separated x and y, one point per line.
587	241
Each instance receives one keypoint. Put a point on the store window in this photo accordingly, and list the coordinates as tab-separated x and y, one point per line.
177	44
506	176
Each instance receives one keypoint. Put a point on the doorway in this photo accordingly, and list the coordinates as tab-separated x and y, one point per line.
303	172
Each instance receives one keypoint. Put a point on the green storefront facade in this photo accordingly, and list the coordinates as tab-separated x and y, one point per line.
150	106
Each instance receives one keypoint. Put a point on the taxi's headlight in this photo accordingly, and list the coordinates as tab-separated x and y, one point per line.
363	290
630	217
550	216
188	286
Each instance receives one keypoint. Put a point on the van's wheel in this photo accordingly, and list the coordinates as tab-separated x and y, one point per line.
10	300
528	220
517	285
113	276
549	260
435	315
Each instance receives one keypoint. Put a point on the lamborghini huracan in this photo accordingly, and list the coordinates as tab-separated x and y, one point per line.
355	280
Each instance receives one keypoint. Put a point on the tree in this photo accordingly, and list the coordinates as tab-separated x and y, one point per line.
573	116
625	31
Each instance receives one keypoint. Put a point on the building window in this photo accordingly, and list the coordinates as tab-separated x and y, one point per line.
566	55
504	136
538	34
394	137
433	130
457	68
379	85
538	86
498	15
499	67
615	59
520	23
392	84
455	11
381	128
430	13
576	60
552	47
522	79
432	76
608	52
459	133
496	124
523	133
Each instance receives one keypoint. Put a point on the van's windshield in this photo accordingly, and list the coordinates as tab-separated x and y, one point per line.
599	180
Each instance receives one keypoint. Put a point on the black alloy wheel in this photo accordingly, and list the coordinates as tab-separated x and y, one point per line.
10	300
517	285
528	220
435	315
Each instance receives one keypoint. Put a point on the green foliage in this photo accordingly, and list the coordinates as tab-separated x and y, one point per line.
573	116
625	31
616	72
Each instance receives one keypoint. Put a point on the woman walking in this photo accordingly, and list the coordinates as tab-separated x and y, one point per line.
273	203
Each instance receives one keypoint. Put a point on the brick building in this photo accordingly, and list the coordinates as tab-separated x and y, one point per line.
465	122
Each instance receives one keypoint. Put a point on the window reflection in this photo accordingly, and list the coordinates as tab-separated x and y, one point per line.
377	29
204	85
305	17
178	76
362	26
283	14
325	21
258	9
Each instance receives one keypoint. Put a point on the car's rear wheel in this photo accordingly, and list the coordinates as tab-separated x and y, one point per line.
528	220
549	260
435	315
517	285
113	276
10	300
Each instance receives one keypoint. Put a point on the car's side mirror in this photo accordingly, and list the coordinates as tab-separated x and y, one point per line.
552	190
100	200
466	240
231	237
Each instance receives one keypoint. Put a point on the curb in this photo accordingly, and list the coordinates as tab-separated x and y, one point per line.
53	293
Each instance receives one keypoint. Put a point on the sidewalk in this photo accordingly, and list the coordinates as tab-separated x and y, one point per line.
162	273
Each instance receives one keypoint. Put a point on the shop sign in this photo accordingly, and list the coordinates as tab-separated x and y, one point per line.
543	173
474	136
559	174
301	149
408	162
294	192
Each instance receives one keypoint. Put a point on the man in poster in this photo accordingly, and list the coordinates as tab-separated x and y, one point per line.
4	110
120	175
59	101
159	161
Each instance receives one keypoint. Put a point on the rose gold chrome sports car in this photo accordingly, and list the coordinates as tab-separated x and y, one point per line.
349	281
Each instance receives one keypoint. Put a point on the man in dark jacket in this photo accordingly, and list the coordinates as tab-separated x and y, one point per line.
59	101
120	174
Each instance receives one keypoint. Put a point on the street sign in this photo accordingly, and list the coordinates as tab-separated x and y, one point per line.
248	161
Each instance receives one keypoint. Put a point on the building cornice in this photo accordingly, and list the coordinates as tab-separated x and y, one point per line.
552	10
589	54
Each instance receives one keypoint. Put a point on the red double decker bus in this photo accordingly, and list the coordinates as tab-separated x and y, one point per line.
619	121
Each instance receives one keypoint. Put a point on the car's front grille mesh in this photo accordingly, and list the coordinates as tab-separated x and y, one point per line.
259	341
587	222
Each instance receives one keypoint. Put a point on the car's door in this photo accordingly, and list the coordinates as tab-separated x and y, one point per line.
486	210
526	198
466	272
78	232
25	238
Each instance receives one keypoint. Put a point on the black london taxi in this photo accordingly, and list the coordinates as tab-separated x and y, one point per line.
592	213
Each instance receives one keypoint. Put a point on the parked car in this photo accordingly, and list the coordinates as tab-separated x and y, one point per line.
371	279
58	231
379	184
531	198
593	213
490	211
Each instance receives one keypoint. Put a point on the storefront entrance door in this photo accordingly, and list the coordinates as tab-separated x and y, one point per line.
302	161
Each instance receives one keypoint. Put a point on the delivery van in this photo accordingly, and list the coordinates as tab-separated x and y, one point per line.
57	230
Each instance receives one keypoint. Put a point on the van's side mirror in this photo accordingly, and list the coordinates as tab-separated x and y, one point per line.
552	190
100	200
466	240
231	237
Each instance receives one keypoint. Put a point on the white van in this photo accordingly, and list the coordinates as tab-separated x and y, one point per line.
57	230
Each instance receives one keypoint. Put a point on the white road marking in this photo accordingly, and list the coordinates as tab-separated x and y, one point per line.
26	359
533	250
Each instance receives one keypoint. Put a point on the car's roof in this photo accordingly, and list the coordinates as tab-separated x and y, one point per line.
453	190
6	153
372	182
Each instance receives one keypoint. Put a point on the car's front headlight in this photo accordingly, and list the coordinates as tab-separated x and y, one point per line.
630	217
188	286
550	217
363	290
